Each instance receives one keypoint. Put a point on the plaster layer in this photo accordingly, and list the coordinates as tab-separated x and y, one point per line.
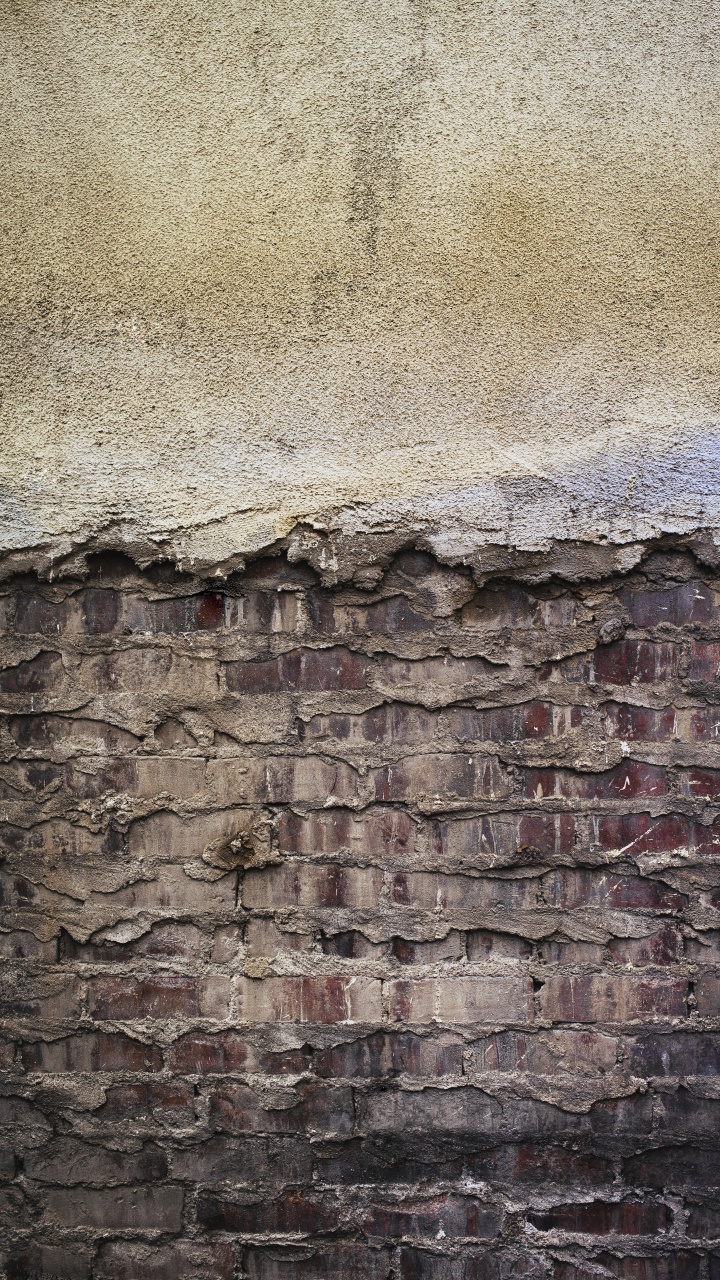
440	266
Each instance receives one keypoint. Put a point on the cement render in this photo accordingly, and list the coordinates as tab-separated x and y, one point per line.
442	267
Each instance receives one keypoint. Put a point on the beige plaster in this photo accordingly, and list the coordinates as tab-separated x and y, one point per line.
446	265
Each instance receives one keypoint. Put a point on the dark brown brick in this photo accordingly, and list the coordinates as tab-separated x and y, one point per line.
599	1218
184	1260
678	606
294	1212
329	1262
163	996
301	670
138	1208
91	1052
321	1109
49	1262
628	781
451	1215
35	676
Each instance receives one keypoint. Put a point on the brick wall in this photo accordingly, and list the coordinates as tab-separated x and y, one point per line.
361	933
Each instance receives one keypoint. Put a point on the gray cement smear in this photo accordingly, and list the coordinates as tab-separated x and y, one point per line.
440	267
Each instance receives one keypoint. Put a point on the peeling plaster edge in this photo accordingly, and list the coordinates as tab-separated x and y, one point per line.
355	543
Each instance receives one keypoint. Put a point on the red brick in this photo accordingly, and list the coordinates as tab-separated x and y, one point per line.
637	833
378	833
282	780
169	1101
453	1215
678	606
598	1218
391	1053
704	660
205	1054
569	888
529	721
437	779
139	1208
316	999
703	783
496	840
641	724
91	1052
628	662
460	1000
35	676
295	1212
661	948
627	781
677	1054
36	615
301	670
184	1260
599	998
300	884
180	615
162	996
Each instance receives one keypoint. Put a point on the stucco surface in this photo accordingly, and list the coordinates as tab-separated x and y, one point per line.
435	265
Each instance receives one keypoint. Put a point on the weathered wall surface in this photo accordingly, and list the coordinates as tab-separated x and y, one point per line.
442	265
368	934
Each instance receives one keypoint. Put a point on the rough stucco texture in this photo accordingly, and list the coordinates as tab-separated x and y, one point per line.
449	265
361	934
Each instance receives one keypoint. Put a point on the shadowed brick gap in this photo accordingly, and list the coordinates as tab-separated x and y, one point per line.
361	933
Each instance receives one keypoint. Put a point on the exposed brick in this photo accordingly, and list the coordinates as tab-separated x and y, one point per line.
676	1265
38	675
162	996
136	1208
185	1260
294	1212
676	1054
301	670
628	662
446	1214
320	1109
68	1163
628	781
704	660
461	1000
91	1052
332	1262
389	1054
316	999
64	734
376	833
496	840
220	1054
677	606
42	1261
599	1218
599	998
570	888
298	884
435	780
674	1168
661	948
